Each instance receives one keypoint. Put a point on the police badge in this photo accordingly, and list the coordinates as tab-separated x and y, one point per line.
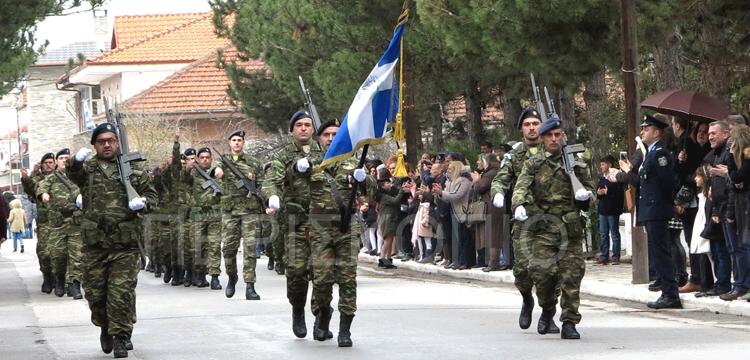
663	161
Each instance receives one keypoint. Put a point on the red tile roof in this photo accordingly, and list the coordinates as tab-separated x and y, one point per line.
133	28
456	109
182	42
199	87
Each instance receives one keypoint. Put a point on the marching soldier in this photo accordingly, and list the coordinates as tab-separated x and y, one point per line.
334	252
239	215
550	211
528	122
286	183
61	195
30	184
111	229
165	222
185	200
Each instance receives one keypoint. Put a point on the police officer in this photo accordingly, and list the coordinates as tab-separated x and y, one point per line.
528	122
239	215
30	184
657	181
334	252
287	189
111	229
549	209
61	195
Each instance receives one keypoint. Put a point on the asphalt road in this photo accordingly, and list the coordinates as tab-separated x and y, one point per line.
401	316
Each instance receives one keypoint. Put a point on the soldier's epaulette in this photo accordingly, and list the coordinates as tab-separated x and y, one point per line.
746	152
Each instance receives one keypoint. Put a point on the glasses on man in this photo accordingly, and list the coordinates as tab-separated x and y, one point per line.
102	142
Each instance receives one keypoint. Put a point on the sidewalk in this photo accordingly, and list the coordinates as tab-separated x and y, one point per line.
609	281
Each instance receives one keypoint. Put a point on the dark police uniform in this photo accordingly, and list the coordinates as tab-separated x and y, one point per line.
657	183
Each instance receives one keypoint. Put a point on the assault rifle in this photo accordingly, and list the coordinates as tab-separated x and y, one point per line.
570	161
125	158
210	182
243	181
310	106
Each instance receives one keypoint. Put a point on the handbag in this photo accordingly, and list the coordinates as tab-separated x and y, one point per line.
629	199
476	213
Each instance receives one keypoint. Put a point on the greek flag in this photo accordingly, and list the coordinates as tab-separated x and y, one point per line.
374	106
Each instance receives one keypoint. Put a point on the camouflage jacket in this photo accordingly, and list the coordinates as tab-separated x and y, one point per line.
62	192
543	187
107	221
30	187
322	193
511	168
180	181
163	186
287	183
235	200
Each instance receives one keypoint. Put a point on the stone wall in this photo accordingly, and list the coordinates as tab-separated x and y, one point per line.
52	120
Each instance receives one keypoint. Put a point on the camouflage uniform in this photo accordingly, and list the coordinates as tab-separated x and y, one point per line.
293	189
239	216
503	182
553	234
334	253
159	225
111	235
206	226
64	222
42	221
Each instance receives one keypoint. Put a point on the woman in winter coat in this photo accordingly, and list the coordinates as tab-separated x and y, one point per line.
17	222
489	233
456	193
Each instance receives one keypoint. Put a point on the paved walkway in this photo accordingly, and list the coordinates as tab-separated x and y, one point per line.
610	281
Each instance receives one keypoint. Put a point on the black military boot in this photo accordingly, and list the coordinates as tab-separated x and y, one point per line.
270	263
524	320
345	335
59	285
545	319
202	280
75	290
320	332
106	341
188	278
329	334
177	274
280	268
569	331
250	293
67	289
129	344
552	327
47	282
167	273
120	347
229	292
215	283
299	328
157	270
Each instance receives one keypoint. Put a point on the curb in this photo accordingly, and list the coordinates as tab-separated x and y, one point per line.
594	287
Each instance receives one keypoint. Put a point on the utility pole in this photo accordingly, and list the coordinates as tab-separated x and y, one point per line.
629	56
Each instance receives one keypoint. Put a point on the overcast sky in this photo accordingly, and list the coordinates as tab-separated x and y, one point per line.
62	30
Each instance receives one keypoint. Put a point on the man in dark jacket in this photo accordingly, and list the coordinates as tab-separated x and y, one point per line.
719	158
611	197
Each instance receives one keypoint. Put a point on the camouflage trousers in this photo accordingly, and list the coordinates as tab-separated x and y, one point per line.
160	235
236	229
65	250
334	257
294	234
206	233
556	266
277	243
42	247
109	281
186	240
523	281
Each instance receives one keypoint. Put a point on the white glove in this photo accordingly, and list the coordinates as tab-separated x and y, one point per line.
79	201
583	195
360	175
274	202
82	154
137	204
520	214
302	165
498	201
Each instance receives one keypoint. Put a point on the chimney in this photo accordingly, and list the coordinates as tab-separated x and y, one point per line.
101	29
